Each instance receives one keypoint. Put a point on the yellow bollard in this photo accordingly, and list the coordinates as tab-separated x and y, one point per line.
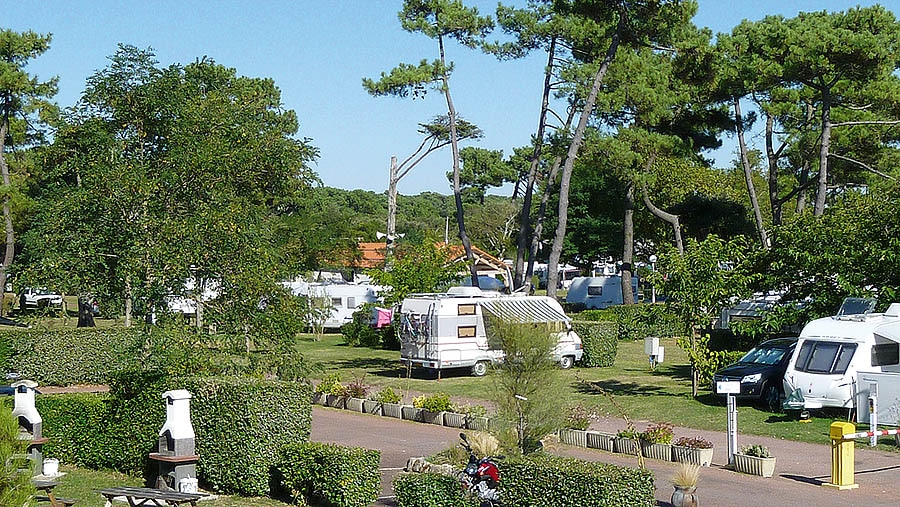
841	456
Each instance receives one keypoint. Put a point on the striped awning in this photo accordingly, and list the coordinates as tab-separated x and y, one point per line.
523	310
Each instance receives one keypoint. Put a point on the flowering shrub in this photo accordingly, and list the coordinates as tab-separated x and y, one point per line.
386	395
757	450
659	433
694	442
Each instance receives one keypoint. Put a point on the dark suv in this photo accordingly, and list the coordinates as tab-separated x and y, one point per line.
761	371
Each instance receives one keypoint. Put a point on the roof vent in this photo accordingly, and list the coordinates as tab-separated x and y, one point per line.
893	310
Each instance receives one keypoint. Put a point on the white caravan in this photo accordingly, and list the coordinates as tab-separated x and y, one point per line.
600	290
831	351
343	299
447	330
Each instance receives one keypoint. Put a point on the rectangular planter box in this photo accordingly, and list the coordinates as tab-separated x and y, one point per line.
318	398
693	455
335	401
371	407
432	417
354	404
394	410
662	452
454	420
627	446
753	465
597	440
573	437
477	423
411	413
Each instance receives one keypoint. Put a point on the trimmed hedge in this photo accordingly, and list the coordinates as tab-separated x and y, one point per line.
239	424
636	322
339	476
600	343
71	356
429	490
567	482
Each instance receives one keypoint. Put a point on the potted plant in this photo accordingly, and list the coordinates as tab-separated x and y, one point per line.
755	460
389	401
627	442
600	440
456	417
574	430
476	417
656	441
433	407
694	450
332	389
684	480
356	392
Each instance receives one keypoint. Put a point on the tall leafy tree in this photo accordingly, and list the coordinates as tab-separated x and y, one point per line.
440	20
482	169
21	97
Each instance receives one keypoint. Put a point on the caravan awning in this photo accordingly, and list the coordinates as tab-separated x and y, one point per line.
522	310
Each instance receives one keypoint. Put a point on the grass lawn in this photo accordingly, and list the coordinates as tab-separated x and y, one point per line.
660	395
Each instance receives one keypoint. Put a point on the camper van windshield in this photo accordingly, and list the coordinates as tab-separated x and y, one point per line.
824	357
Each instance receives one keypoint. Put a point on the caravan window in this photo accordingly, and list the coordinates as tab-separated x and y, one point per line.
886	354
336	302
595	290
465	331
825	357
465	309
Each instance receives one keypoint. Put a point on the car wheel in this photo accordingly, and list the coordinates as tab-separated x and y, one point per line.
772	398
480	369
566	362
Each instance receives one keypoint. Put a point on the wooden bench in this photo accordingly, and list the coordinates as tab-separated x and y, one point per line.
149	496
47	487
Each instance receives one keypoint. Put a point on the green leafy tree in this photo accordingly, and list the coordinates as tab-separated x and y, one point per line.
440	20
416	268
482	169
21	97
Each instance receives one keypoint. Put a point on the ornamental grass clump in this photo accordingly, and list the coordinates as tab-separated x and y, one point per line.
686	475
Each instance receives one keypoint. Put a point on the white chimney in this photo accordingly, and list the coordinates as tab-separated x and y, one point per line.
178	415
23	407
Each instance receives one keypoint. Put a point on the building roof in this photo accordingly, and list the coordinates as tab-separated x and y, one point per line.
371	255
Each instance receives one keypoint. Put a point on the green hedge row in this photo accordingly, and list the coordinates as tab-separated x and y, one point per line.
239	424
600	343
71	356
539	480
336	475
636	322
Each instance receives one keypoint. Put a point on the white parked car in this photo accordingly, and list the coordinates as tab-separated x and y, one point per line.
32	298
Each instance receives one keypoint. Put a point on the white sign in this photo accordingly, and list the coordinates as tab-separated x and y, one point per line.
731	387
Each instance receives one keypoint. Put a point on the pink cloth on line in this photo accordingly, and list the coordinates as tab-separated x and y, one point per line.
383	317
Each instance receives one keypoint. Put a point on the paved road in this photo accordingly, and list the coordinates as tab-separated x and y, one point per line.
800	471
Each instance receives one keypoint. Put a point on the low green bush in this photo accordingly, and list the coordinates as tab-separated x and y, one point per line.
72	356
340	476
360	332
438	402
599	341
565	482
429	490
636	322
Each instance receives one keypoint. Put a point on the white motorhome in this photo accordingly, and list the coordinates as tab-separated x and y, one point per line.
831	351
447	330
343	299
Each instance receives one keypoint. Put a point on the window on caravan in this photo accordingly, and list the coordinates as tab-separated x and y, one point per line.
595	290
886	354
465	331
336	302
824	357
465	309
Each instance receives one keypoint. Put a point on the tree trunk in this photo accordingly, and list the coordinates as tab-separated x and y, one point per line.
822	186
10	250
574	147
457	193
628	251
391	213
525	228
128	302
673	220
85	313
748	174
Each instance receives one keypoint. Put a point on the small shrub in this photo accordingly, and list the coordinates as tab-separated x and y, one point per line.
580	417
357	389
693	442
340	476
331	384
470	410
659	433
629	433
599	341
756	450
386	395
433	490
439	402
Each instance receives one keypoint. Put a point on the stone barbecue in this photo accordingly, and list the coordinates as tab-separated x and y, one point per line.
176	455
30	421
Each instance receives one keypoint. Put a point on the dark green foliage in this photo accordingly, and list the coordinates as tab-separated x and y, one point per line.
565	482
339	476
360	332
429	490
600	343
72	356
636	322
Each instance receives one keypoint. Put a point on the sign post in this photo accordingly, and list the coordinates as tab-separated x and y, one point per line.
731	388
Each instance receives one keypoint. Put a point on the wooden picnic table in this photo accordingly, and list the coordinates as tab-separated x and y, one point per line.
150	496
47	487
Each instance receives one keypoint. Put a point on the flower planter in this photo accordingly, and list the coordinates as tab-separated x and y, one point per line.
627	446
753	465
692	455
662	452
411	413
573	437
477	423
394	410
597	440
371	407
354	404
319	398
685	497
432	417
334	401
454	420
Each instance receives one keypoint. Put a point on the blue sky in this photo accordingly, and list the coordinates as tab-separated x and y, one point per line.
318	52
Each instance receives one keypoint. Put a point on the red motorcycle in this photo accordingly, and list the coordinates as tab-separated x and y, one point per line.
481	477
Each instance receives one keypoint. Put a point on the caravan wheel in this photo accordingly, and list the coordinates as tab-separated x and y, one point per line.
480	369
566	362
